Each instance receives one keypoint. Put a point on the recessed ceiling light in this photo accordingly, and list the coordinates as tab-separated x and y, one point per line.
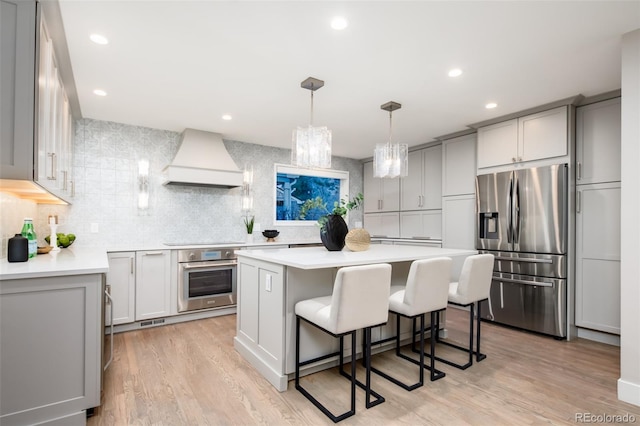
455	72
100	92
99	39
339	23
226	117
491	105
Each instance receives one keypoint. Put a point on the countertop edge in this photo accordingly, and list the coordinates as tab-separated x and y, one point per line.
349	258
64	263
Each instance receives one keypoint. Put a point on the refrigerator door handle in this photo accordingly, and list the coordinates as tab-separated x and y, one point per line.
516	214
510	211
518	259
526	282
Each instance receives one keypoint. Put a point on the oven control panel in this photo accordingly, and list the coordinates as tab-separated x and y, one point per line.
207	255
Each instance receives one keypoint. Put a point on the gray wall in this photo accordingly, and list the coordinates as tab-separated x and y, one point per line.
105	171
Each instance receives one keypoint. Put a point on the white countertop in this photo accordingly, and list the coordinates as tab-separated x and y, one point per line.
261	242
67	261
320	257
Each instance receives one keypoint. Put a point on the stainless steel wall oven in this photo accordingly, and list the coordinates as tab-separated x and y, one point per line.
206	278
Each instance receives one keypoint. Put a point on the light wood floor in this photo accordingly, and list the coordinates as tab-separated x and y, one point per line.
189	374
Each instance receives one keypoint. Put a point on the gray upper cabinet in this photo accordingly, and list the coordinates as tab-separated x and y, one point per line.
422	188
36	120
54	120
598	142
380	194
598	131
17	98
529	138
459	166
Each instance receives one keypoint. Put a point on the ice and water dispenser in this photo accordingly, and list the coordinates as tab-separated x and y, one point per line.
488	225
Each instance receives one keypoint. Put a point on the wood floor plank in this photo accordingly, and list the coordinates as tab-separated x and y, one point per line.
190	374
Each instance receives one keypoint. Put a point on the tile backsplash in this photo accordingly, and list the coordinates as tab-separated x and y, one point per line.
14	210
106	156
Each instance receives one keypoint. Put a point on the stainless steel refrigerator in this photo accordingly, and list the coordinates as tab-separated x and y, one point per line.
522	220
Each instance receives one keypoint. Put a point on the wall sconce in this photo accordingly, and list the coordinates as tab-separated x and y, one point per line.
247	189
143	184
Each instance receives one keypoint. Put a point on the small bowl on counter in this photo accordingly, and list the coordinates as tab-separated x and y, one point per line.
270	234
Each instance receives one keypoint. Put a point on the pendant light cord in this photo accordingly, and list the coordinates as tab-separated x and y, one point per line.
390	128
311	114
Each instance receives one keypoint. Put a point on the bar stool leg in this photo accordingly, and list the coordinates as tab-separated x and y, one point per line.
479	355
352	378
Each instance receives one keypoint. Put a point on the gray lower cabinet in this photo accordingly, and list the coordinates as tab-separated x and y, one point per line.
458	222
421	224
50	360
121	282
153	284
260	323
598	257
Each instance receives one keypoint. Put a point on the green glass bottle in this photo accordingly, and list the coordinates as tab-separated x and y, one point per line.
30	234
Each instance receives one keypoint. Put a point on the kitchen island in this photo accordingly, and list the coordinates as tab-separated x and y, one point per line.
51	337
271	282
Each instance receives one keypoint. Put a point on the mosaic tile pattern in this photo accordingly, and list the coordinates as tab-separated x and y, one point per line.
105	171
14	210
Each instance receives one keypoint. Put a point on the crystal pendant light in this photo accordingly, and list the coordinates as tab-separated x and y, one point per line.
390	160
311	146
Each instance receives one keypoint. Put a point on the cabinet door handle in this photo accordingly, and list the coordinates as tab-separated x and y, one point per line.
513	159
519	158
422	201
131	263
52	155
579	170
578	201
153	253
64	182
73	188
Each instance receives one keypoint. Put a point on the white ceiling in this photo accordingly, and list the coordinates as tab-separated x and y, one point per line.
178	64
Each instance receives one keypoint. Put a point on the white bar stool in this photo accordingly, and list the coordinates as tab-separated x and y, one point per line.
360	300
472	287
425	292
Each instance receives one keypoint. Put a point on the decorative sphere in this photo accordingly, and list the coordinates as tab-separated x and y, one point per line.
358	240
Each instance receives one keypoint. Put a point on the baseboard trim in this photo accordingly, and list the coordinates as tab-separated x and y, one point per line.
598	336
629	392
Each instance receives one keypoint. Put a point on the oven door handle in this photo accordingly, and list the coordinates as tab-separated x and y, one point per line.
202	265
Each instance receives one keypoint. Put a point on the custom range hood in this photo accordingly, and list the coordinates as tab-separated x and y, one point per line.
202	160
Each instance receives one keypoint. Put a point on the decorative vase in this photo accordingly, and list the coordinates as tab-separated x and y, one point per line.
249	238
333	232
